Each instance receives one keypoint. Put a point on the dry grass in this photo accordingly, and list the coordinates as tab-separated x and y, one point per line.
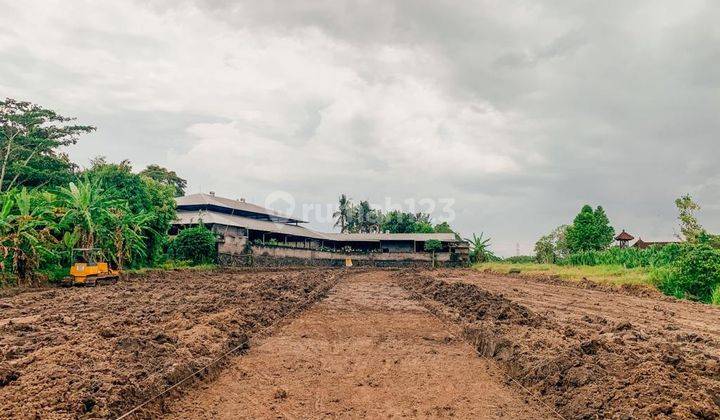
606	274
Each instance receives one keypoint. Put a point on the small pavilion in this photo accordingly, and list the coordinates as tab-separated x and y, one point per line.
624	239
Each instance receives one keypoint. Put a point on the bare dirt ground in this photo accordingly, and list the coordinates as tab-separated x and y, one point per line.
367	350
96	352
588	353
357	343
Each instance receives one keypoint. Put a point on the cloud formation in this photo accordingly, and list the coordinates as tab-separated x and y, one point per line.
520	111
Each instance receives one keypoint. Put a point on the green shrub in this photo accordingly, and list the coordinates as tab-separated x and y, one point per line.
715	299
520	259
196	244
695	275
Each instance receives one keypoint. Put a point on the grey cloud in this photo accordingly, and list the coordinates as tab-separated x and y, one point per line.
618	101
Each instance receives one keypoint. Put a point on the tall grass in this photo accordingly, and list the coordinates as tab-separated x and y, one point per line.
605	274
627	257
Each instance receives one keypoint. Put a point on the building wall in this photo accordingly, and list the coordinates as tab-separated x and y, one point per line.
263	256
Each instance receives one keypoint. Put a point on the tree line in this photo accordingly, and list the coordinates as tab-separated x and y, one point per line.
48	205
362	218
689	268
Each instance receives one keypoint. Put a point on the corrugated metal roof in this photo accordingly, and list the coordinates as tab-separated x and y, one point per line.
209	217
200	199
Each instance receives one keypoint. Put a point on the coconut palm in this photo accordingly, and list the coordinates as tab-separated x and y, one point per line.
343	213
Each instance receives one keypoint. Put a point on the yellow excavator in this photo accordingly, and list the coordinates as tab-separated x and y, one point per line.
88	271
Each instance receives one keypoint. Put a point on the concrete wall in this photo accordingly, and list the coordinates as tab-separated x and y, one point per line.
264	256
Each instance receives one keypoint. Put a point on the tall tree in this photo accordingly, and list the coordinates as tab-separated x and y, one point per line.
343	213
604	233
553	246
590	230
689	225
143	195
364	215
167	177
30	138
398	222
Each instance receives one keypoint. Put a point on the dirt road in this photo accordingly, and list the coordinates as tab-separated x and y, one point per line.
367	350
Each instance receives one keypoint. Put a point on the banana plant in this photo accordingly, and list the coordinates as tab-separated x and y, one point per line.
480	248
85	207
25	233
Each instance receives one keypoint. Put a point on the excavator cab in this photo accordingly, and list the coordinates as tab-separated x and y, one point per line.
89	270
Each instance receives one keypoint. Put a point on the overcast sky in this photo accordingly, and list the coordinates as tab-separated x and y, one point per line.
520	111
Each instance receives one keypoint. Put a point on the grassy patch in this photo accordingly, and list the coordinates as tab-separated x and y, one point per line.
172	265
606	274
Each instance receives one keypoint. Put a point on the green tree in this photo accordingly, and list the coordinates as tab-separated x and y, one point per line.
689	225
143	195
343	214
552	247
604	233
364	217
590	231
167	177
443	227
545	250
196	244
401	222
696	274
423	227
398	222
433	245
30	137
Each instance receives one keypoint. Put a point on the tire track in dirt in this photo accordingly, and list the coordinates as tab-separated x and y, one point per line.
367	350
592	357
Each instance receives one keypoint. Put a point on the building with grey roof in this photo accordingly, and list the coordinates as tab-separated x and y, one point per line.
241	225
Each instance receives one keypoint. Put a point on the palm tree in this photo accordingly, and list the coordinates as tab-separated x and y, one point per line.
25	224
86	207
343	214
480	248
364	217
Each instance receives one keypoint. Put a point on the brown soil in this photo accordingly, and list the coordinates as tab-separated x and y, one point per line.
589	353
382	344
367	350
96	352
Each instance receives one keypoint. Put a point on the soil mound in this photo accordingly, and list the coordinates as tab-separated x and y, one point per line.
588	369
88	353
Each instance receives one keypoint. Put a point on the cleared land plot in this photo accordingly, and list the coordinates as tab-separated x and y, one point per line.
96	352
587	352
367	350
402	343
